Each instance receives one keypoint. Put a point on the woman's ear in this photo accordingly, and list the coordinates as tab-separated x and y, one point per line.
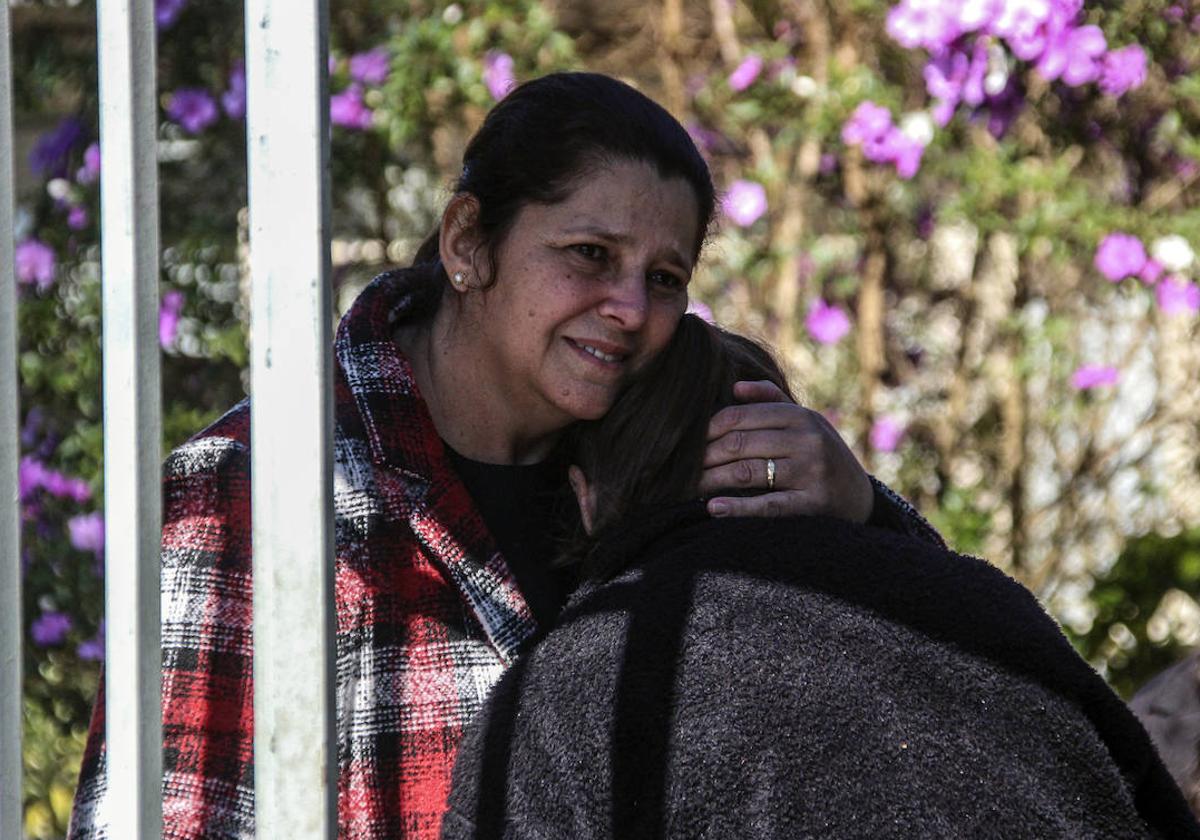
458	241
583	495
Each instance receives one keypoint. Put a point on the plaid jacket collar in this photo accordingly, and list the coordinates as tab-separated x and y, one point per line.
405	446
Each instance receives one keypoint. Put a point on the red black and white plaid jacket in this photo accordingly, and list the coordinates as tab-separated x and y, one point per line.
428	613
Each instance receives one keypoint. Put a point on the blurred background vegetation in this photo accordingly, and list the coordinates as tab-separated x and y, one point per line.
951	295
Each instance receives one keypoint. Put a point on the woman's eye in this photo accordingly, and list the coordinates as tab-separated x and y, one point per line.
667	281
589	251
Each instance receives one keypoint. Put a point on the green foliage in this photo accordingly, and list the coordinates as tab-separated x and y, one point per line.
1145	610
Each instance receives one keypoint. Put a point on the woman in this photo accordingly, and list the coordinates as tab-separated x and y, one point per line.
560	266
787	678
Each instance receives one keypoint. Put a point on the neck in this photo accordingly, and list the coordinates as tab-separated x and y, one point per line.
473	409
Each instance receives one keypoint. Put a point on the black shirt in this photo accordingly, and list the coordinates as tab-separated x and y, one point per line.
529	511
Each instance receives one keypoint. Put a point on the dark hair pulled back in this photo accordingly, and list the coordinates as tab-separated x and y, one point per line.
546	135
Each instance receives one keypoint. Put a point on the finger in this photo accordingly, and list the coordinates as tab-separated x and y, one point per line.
772	415
786	503
759	443
747	474
759	390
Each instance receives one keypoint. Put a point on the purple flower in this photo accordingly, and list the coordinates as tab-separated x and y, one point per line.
168	317
945	75
78	490
744	203
868	122
31	475
50	628
371	67
192	108
1124	69
1004	108
898	148
77	218
1075	55
1120	255
166	12
923	23
827	324
35	420
886	433
348	110
498	74
87	533
972	87
233	100
90	171
745	73
1094	376
1177	296
91	649
1151	271
35	263
52	149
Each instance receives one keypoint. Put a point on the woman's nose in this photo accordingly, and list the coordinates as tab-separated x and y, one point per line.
627	302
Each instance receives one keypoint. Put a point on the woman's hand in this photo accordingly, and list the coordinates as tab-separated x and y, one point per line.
815	472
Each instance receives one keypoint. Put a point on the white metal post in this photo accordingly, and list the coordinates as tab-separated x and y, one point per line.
10	516
132	417
295	771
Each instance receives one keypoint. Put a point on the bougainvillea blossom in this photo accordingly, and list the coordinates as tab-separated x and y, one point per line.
1178	296
50	628
868	122
886	434
35	263
498	74
193	109
744	203
49	156
166	12
1094	376
89	173
233	100
371	67
1124	70
1151	271
77	218
827	324
1120	255
168	317
348	109
746	72
86	533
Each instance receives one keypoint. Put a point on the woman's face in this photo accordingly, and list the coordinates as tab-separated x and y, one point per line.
587	291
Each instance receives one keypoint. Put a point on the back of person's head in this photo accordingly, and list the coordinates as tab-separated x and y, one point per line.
648	450
547	134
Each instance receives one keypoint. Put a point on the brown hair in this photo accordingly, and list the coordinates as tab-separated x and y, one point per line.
648	450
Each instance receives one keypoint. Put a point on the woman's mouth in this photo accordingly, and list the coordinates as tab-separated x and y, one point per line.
607	355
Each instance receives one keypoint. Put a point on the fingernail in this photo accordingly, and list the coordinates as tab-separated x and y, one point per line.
718	508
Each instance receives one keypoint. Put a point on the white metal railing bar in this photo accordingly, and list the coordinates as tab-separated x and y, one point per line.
295	774
10	515
132	417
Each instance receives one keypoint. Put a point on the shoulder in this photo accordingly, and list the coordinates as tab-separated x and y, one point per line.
224	444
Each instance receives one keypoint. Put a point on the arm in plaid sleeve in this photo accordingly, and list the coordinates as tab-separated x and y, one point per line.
893	512
206	625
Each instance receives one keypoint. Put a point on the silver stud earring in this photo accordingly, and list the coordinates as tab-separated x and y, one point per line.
459	281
